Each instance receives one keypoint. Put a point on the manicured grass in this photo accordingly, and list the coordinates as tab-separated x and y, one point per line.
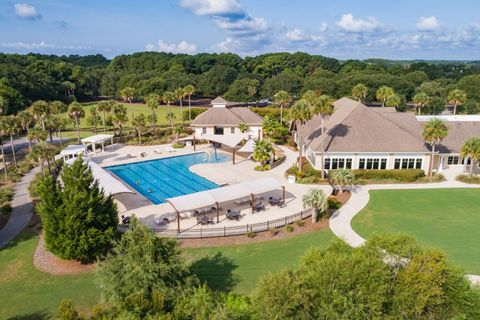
238	268
26	293
446	219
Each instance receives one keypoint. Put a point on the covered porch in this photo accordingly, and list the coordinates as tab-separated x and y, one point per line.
232	141
101	139
215	198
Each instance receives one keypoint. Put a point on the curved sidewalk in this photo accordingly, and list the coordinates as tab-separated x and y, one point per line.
22	209
340	221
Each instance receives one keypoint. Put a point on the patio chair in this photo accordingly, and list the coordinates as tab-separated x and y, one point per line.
161	222
142	154
259	207
125	220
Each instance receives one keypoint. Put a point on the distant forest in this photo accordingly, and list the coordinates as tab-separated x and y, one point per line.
27	78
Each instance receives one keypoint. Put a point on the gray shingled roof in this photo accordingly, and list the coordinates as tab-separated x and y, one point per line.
458	133
354	127
227	117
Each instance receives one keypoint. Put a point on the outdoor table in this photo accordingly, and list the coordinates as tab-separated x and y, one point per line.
234	215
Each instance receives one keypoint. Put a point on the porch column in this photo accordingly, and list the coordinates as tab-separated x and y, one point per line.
218	212
103	146
253	202
194	144
94	151
283	195
178	221
233	158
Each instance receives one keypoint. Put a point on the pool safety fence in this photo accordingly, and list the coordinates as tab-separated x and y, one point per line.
210	232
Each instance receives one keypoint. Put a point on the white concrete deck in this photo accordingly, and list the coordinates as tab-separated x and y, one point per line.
220	173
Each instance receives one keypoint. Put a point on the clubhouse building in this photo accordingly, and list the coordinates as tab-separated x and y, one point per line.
361	137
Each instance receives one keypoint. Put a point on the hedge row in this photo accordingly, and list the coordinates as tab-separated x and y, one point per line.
402	175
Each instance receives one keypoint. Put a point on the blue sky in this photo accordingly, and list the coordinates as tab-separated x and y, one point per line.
403	29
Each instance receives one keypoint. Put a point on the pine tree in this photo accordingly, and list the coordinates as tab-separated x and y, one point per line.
79	220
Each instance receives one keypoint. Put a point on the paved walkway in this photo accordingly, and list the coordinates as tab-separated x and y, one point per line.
22	209
340	221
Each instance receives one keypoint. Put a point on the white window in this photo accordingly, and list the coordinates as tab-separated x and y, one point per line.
372	163
408	163
338	163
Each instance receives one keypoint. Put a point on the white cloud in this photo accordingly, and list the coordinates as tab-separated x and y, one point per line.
295	35
428	23
41	45
27	11
212	7
242	27
323	27
181	47
349	24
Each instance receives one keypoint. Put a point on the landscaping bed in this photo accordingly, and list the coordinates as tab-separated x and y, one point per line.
467	179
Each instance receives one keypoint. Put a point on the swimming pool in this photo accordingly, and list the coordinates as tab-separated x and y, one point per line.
165	178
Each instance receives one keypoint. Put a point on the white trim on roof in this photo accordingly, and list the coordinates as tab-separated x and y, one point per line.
74	150
99	138
448	118
208	198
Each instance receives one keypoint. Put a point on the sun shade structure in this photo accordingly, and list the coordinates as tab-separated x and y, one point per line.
249	146
98	139
73	150
212	198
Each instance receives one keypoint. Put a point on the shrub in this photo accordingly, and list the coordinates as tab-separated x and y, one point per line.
6	196
32	188
437	177
289	228
308	175
250	234
272	112
273	232
262	168
467	179
402	175
177	145
300	223
333	203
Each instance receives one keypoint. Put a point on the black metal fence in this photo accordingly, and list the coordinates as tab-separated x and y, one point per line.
228	231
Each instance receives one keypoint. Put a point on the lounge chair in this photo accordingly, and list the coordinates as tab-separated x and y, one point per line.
142	154
157	151
170	149
129	155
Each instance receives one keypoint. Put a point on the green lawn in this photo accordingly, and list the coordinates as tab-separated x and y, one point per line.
238	268
132	109
27	293
447	219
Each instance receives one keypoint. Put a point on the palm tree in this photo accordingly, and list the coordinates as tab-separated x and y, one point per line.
40	110
263	151
393	101
283	99
471	149
456	97
94	118
243	127
341	178
433	133
58	123
189	91
383	93
25	119
360	92
170	116
9	126
2	134
324	108
178	130
139	123
317	200
104	107
420	100
57	107
269	126
43	152
153	101
119	121
169	98
127	94
69	88
180	94
75	112
300	113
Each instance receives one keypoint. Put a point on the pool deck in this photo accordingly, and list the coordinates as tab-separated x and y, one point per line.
220	173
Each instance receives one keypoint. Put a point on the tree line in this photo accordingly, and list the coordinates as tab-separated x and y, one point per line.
25	79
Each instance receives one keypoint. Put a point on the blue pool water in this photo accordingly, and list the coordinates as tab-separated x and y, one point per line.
165	178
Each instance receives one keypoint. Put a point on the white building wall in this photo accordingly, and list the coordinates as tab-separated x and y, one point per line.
366	155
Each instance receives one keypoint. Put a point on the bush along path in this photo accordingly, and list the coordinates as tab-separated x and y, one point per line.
340	221
22	209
